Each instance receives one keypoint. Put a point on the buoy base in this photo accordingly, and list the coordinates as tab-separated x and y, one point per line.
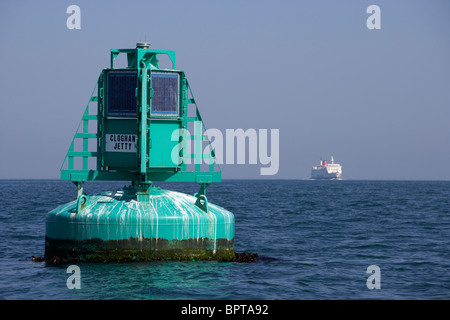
137	250
123	226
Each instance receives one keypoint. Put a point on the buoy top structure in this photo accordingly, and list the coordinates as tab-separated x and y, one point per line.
141	125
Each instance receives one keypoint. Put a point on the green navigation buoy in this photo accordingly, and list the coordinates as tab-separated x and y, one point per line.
137	127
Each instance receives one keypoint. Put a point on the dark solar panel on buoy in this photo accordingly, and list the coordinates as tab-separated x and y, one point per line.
122	93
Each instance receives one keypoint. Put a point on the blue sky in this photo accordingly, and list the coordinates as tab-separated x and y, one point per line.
377	100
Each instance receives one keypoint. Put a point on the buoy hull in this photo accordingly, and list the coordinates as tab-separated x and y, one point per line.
115	227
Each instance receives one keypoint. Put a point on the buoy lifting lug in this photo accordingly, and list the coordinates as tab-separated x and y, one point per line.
202	201
82	199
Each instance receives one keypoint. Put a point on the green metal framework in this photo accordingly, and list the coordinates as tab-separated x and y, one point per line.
154	134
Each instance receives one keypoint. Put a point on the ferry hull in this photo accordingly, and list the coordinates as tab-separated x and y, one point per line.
325	176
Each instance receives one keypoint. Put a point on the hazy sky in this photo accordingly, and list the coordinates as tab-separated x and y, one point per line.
377	100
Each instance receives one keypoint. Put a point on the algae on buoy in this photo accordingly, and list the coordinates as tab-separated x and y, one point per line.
142	134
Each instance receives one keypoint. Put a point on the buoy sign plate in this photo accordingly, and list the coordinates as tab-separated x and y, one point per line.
120	143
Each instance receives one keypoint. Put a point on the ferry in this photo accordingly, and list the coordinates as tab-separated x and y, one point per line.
327	171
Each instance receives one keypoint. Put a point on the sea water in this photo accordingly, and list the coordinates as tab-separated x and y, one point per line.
315	240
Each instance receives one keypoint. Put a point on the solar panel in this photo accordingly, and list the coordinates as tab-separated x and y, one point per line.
165	94
122	93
